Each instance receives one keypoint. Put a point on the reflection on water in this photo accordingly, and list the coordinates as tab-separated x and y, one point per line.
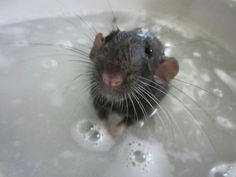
49	128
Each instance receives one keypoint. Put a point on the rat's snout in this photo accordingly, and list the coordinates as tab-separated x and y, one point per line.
112	79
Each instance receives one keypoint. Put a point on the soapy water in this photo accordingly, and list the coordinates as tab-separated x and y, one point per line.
91	136
223	170
46	105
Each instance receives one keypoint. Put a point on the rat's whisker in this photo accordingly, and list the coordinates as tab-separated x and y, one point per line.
169	116
91	29
188	111
73	80
139	104
139	92
133	106
194	101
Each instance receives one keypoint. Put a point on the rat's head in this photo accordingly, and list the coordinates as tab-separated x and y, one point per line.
122	58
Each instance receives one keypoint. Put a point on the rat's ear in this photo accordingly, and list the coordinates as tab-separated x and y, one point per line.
96	45
167	69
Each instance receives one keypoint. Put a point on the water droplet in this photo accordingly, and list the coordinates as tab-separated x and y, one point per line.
139	156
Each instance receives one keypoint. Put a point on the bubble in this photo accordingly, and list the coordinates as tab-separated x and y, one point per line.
65	44
206	77
94	135
211	53
224	122
197	54
223	170
91	136
86	126
137	157
48	64
218	92
140	156
82	41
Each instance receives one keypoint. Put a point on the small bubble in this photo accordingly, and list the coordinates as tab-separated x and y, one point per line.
82	41
218	92
222	170
206	77
134	164
95	135
211	53
197	54
47	64
140	156
65	44
224	122
85	127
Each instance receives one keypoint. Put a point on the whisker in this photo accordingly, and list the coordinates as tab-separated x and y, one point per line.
135	112
169	116
114	20
186	109
92	30
73	80
162	121
139	104
195	102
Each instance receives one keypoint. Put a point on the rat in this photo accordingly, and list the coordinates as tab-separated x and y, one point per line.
130	74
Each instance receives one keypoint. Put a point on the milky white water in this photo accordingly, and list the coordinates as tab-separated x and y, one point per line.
49	128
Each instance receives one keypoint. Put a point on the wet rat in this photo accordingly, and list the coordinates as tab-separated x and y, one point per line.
130	75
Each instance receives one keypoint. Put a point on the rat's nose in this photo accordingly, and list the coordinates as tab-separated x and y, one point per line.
112	79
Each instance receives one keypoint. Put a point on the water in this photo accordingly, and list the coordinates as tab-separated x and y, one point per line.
49	128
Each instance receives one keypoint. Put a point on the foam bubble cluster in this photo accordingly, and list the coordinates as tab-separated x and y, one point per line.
141	158
91	136
223	170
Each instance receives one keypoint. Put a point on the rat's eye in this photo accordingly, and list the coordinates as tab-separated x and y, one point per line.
148	51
